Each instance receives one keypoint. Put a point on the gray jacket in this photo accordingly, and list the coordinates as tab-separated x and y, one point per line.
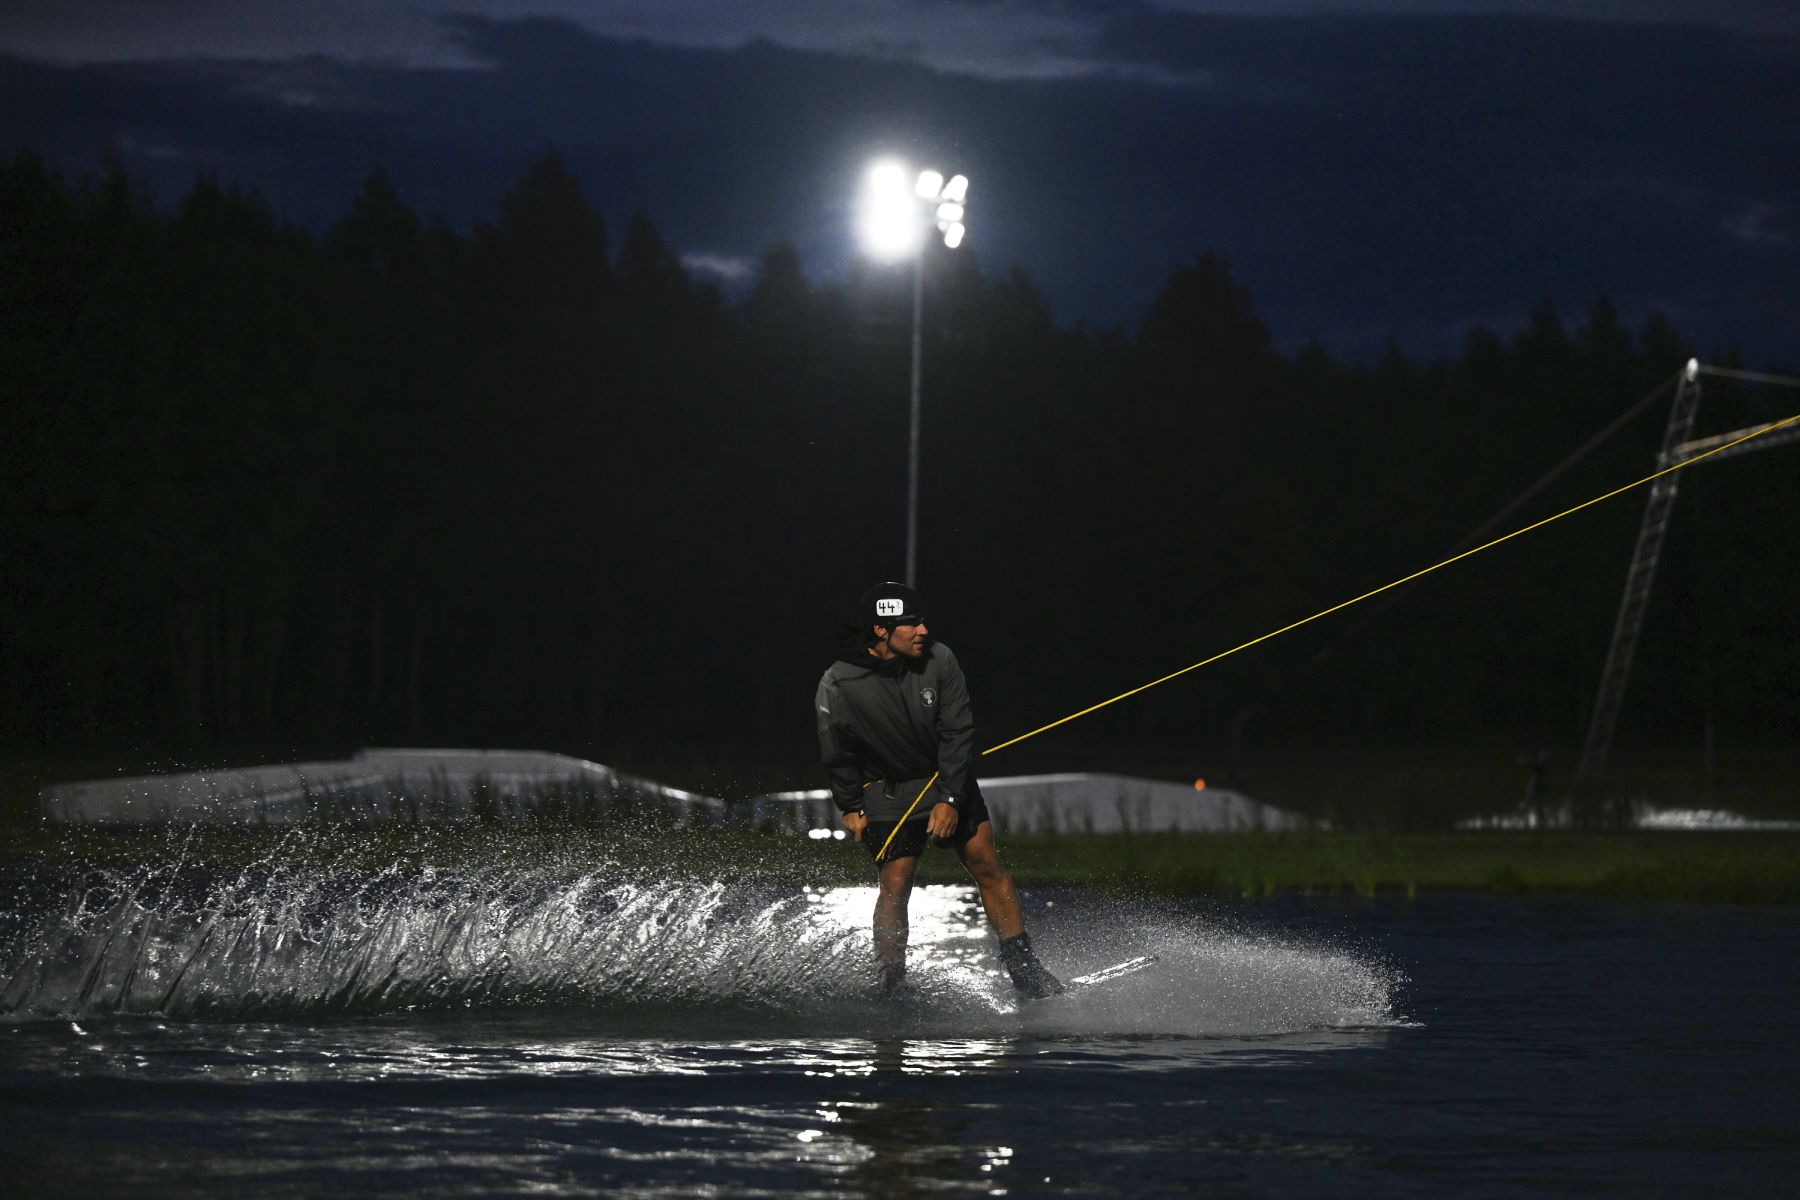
897	721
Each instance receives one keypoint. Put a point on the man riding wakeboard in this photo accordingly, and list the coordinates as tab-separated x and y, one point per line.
897	737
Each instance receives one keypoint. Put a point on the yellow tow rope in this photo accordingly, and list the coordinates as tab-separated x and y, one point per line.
1326	612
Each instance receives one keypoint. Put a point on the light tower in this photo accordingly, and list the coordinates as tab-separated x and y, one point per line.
897	212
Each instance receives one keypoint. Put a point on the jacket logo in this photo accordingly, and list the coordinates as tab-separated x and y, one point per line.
928	696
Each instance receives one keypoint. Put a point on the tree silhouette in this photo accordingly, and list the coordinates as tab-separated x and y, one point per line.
268	493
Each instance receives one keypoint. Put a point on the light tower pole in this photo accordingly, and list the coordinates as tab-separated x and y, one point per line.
897	210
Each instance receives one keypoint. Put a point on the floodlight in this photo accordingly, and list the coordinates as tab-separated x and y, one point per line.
888	175
896	209
889	220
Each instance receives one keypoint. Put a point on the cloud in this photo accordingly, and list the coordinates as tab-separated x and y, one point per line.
77	32
1009	39
733	270
1763	225
996	39
1363	175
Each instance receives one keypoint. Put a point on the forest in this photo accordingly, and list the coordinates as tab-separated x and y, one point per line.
535	484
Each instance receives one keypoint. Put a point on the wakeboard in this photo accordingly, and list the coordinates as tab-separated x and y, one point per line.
1130	966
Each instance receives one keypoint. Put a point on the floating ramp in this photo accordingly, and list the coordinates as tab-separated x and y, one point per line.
1067	803
381	786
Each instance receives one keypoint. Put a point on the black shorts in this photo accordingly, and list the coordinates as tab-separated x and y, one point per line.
910	841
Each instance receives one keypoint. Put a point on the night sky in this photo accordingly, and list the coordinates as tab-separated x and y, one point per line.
1373	171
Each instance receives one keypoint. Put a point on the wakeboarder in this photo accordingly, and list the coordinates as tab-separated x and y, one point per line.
897	737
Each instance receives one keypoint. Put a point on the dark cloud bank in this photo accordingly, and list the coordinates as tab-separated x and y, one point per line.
1368	177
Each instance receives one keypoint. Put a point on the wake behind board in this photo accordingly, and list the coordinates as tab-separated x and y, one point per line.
1130	966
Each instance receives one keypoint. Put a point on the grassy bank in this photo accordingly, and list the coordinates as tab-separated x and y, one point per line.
1752	868
1760	868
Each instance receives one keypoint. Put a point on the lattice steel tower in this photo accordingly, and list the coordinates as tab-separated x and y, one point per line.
1678	446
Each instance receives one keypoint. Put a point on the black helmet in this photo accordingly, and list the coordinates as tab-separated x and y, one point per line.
891	604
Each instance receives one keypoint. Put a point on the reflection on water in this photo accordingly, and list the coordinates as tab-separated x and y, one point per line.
535	1101
483	1032
1561	1050
535	1047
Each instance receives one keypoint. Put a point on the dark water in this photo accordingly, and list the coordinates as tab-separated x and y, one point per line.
490	1035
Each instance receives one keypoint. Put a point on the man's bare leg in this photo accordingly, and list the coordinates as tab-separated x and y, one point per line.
1001	900
896	882
998	897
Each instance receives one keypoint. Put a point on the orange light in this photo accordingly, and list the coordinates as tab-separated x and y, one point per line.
1199	785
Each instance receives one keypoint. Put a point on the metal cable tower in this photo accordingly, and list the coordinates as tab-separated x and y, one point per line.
1676	448
1640	577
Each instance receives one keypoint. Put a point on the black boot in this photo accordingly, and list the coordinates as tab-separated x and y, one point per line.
1028	974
